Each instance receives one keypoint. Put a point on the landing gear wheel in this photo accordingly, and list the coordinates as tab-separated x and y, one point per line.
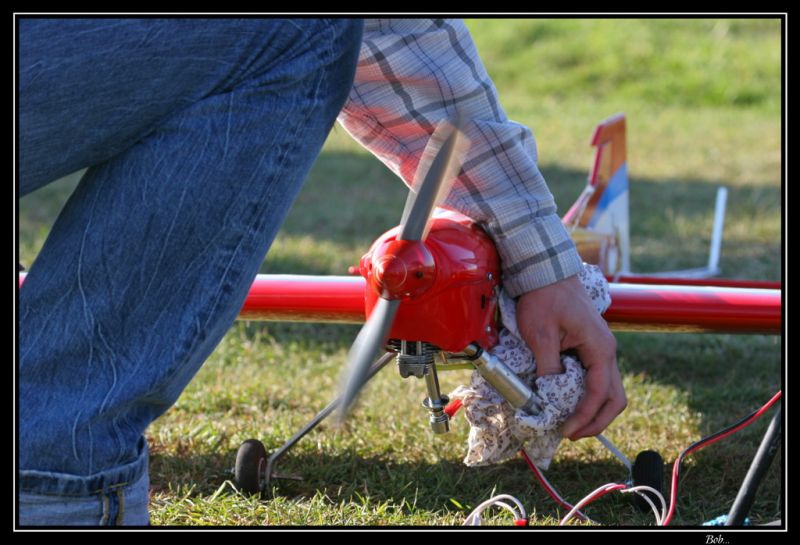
648	470
251	464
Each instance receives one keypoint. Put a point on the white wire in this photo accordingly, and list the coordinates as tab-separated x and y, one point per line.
583	502
658	494
656	514
638	489
474	518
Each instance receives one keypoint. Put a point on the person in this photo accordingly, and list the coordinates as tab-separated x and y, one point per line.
197	135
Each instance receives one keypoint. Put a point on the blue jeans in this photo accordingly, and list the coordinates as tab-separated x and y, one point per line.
198	135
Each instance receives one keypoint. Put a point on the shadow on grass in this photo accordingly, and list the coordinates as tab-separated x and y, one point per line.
670	219
448	487
440	487
205	472
432	486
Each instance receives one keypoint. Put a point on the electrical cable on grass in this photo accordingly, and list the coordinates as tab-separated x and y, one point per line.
660	516
596	494
663	518
710	440
519	514
550	489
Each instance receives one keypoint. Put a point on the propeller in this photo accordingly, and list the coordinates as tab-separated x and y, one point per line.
434	177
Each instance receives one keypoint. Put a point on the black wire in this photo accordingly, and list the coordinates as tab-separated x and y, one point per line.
699	443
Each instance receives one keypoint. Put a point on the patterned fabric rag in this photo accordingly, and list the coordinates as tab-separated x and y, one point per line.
497	430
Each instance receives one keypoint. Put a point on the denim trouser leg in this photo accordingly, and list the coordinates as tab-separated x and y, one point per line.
198	135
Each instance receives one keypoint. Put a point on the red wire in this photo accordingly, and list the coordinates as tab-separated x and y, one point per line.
455	405
710	441
600	493
756	415
675	470
547	488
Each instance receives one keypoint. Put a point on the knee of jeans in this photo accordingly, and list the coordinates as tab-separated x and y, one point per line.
319	53
351	31
299	47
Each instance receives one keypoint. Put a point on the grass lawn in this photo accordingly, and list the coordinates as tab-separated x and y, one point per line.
704	109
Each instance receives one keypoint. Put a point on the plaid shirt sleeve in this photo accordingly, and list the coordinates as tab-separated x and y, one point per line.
414	72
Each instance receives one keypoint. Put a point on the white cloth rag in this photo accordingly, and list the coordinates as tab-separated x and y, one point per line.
497	430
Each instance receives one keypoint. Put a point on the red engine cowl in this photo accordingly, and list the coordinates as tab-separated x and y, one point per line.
449	301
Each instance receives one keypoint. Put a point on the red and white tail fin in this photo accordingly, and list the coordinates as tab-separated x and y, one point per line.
598	221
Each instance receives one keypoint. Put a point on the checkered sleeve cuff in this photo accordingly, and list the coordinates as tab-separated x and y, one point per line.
536	255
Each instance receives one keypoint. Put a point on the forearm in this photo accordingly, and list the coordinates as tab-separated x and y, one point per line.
414	73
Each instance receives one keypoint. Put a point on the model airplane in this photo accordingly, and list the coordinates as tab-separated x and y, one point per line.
427	290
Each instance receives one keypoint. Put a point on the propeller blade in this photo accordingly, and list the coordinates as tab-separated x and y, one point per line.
434	178
369	342
435	174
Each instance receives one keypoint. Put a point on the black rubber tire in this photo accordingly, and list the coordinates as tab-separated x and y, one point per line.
648	470
251	462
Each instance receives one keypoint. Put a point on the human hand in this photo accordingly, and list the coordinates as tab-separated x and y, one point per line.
559	317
